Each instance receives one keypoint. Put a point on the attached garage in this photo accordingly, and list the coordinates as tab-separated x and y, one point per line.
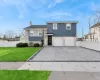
57	41
64	41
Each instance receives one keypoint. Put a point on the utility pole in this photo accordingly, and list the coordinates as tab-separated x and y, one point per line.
82	33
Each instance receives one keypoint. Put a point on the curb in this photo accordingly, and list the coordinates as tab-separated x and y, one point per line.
35	54
90	49
64	61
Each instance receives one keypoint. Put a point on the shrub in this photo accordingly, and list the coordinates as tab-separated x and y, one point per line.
22	45
42	43
31	44
36	45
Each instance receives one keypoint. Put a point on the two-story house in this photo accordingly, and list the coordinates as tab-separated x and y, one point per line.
94	34
54	33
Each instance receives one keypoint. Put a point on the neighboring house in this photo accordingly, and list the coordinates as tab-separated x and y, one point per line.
17	38
94	34
1	40
53	33
34	33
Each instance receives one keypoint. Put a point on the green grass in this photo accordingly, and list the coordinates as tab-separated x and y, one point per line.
23	75
16	54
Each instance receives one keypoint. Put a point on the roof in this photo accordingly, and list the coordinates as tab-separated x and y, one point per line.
36	26
96	25
62	22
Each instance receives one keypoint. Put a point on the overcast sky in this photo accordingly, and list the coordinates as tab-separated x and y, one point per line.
16	14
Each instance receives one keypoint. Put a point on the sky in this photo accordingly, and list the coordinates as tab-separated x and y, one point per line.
16	14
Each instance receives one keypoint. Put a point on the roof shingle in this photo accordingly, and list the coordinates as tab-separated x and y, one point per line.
36	26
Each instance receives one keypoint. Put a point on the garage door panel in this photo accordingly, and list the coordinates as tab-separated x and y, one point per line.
57	41
64	41
70	41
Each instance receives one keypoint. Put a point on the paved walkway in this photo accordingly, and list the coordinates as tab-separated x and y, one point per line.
52	66
75	76
62	66
10	65
66	54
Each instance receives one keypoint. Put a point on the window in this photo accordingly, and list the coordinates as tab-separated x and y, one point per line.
40	33
31	33
35	33
68	26
54	26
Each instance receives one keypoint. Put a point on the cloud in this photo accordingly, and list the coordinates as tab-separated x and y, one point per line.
94	6
54	15
21	16
23	6
55	3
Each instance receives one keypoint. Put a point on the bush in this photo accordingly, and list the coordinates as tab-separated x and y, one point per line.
31	44
42	43
22	45
36	45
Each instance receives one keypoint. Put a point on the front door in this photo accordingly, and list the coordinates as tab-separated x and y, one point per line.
49	40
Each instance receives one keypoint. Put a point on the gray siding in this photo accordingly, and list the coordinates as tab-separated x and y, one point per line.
35	38
61	29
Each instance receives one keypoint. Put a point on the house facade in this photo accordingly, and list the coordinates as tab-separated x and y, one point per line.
94	34
54	33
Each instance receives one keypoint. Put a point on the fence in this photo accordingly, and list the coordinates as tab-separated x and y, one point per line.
8	44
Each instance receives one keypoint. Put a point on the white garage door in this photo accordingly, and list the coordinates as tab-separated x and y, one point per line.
70	41
57	41
64	41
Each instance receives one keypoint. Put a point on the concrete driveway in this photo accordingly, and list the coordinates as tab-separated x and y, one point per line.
74	75
66	54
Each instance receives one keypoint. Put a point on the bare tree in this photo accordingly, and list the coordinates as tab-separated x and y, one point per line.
92	20
96	16
90	24
4	37
9	35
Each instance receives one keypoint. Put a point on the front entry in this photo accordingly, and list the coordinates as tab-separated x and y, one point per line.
49	40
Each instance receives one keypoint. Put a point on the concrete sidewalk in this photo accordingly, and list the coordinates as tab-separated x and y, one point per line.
62	66
52	66
10	65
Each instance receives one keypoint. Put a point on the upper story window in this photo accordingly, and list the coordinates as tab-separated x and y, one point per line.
40	32
31	32
68	26
54	26
36	33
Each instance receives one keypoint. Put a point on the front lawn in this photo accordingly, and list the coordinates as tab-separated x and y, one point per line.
16	54
23	75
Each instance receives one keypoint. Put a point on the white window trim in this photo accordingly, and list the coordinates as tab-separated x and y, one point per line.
68	25
37	33
40	31
54	27
32	32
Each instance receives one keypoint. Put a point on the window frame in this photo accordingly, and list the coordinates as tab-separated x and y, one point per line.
68	25
40	32
54	26
37	33
31	33
34	34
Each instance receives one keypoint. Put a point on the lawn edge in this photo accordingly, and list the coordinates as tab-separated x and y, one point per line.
29	59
